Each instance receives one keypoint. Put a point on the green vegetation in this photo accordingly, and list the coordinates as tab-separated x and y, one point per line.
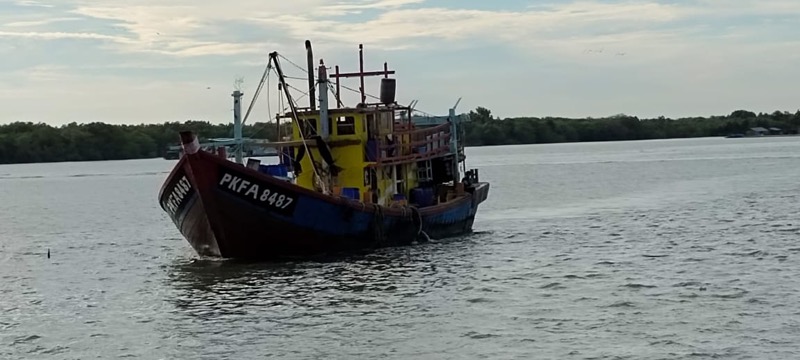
28	142
484	129
23	142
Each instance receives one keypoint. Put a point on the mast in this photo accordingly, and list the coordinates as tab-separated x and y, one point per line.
273	57
454	142
361	72
237	124
338	97
323	101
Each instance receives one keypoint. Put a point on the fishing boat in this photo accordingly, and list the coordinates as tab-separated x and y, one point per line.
372	175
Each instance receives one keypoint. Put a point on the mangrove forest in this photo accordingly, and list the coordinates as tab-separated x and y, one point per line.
26	142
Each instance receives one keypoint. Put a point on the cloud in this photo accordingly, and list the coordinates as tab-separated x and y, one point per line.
609	51
32	3
350	7
60	35
39	23
186	28
422	24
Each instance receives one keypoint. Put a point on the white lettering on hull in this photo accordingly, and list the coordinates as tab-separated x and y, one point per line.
178	195
267	197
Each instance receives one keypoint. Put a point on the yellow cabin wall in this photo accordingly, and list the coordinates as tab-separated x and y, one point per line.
306	178
351	159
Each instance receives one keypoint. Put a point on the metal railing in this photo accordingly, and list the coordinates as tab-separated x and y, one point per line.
410	145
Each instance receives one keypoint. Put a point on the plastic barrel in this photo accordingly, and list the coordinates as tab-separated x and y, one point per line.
351	193
372	150
416	196
423	196
388	87
274	170
427	196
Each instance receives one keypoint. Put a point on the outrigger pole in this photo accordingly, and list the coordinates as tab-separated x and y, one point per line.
273	58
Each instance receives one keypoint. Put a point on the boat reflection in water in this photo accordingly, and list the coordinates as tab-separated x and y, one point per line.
385	282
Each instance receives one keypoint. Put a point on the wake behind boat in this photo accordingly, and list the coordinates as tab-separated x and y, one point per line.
368	176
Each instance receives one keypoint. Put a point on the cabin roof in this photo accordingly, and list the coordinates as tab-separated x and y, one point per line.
346	110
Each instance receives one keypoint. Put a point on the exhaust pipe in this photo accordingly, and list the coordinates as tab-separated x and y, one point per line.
311	86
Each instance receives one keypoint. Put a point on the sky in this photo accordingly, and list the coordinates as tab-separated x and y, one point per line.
151	61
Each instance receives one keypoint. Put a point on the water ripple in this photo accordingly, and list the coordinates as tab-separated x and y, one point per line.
621	258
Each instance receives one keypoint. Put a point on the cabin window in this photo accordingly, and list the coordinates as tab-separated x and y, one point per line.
346	125
310	128
399	179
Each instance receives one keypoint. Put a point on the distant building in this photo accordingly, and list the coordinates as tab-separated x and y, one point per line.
758	131
775	131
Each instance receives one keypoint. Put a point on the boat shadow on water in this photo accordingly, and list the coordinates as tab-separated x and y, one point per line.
209	288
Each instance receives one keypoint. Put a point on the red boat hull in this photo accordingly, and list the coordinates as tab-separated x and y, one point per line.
226	210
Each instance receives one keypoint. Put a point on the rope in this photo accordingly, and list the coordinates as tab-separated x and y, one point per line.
356	91
257	92
294	77
371	96
335	95
414	210
302	136
377	98
298	90
295	65
378	222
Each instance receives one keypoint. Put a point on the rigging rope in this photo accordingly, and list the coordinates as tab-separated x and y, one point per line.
335	95
302	135
257	92
300	91
378	222
264	80
414	210
297	66
357	91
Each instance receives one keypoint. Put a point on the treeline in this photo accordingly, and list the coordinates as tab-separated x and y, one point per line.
484	129
25	142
